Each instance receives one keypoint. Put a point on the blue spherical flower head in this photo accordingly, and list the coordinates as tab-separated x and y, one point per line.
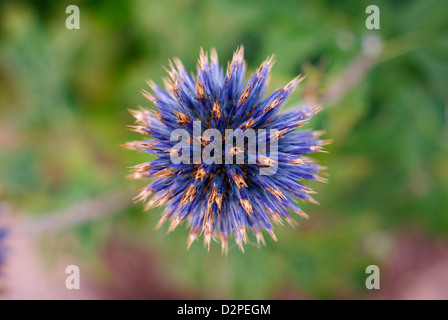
239	164
3	233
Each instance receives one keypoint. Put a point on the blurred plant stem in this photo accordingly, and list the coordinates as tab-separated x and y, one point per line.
75	214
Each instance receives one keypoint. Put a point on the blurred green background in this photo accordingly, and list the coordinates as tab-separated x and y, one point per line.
64	96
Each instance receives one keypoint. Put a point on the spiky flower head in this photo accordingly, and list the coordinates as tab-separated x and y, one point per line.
3	232
223	200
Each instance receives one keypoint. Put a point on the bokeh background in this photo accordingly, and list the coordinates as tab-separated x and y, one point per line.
64	96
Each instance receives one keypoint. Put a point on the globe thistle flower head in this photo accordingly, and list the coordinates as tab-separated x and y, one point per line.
3	233
250	190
